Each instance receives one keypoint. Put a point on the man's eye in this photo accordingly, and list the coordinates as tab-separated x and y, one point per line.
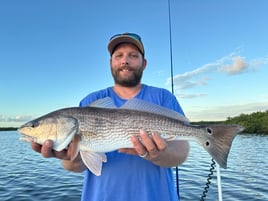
118	55
134	55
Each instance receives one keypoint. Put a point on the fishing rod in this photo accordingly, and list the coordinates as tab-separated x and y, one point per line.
212	166
172	82
170	48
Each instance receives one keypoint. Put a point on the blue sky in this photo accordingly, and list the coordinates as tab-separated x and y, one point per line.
53	53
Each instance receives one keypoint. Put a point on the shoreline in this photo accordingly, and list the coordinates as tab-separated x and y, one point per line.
8	128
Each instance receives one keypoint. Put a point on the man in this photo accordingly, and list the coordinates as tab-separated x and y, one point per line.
143	173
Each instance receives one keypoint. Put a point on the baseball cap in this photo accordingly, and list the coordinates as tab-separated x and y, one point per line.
132	38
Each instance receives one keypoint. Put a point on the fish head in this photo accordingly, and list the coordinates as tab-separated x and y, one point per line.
59	129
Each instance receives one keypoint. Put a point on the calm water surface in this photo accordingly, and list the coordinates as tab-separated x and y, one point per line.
26	176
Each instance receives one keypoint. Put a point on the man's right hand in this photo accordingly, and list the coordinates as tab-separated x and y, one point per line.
46	150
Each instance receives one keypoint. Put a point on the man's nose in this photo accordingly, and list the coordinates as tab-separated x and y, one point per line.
125	60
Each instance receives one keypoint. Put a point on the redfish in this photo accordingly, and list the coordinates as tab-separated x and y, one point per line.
102	127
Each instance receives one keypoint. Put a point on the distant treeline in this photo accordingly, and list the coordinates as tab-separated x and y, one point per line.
8	128
256	122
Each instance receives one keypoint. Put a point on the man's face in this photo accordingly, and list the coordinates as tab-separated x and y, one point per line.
127	65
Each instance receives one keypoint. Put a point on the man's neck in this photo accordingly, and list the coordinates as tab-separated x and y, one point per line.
126	92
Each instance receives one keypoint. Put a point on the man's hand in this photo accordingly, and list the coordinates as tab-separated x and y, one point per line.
47	151
157	150
69	163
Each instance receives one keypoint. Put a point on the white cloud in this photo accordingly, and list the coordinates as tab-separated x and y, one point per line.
238	65
185	96
2	118
231	65
257	62
18	118
218	113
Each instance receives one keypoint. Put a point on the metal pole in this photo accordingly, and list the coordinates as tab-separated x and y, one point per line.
219	182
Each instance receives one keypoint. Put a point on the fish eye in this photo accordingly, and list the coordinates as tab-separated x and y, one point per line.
209	131
34	124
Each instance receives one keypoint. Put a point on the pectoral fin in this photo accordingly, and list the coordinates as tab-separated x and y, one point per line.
93	161
75	147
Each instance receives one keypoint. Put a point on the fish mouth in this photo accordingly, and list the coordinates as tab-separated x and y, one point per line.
26	138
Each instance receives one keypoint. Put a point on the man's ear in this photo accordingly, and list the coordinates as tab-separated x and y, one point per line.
144	63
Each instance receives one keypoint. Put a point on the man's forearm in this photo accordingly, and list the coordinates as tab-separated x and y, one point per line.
175	154
74	166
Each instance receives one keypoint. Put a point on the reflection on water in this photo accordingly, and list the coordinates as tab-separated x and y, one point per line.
24	175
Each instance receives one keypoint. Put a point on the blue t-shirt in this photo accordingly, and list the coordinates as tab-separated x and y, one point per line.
126	177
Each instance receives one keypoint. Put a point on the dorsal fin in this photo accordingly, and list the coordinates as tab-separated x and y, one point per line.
141	105
106	102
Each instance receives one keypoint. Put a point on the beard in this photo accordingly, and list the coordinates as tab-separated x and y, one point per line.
132	80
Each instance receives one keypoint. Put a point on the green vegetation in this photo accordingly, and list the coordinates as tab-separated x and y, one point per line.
256	122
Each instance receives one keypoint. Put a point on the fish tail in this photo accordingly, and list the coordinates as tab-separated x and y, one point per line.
219	141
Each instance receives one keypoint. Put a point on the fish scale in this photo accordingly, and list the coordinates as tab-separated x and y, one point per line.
117	125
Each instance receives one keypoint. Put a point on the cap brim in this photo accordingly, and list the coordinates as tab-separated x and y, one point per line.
124	39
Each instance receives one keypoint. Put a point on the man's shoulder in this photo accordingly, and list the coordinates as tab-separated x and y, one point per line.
95	96
156	89
157	92
161	96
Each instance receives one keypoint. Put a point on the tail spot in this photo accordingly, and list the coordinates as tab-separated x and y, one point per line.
209	131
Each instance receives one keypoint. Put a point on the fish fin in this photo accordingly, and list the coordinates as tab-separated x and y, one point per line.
141	105
75	147
220	138
106	102
93	161
170	138
68	127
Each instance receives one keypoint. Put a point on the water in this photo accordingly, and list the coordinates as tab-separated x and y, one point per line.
244	179
26	176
